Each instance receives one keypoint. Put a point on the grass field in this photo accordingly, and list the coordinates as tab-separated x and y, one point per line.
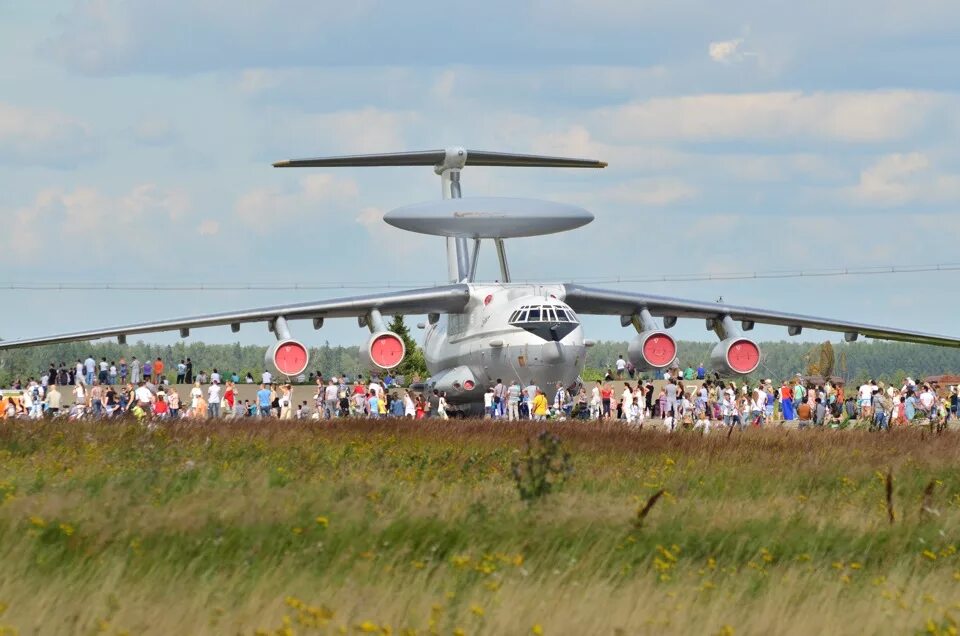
403	527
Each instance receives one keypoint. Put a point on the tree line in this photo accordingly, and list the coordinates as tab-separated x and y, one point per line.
888	361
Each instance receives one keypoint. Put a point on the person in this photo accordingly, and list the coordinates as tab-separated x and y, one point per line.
215	376
181	372
173	401
123	371
89	366
539	406
499	393
670	391
606	397
864	398
286	402
442	406
702	423
135	371
249	378
188	376
561	402
263	400
409	408
488	403
158	369
266	377
213	399
53	400
202	409
148	370
786	401
397	406
626	401
621	366
143	396
195	394
804	414
513	401
701	372
330	395
927	400
96	398
160	408
112	374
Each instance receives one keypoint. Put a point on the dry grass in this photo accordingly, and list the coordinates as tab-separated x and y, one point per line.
306	527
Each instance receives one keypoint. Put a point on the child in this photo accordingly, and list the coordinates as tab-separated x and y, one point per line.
669	423
703	422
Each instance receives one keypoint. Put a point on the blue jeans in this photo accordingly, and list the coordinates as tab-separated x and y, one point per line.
214	409
264	410
89	378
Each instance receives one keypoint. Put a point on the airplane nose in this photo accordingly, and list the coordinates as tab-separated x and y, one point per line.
551	352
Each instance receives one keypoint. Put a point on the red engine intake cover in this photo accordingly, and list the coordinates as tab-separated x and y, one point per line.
387	350
743	356
290	358
659	350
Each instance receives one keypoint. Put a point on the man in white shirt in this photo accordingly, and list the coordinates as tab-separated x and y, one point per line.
267	377
213	400
621	366
760	406
864	399
215	377
89	366
330	399
144	396
488	403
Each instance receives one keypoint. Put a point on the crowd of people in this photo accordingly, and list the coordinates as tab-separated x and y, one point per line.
686	399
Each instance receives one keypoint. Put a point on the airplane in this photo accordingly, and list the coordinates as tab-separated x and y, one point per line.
480	332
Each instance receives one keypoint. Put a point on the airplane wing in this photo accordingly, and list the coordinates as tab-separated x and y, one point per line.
448	298
587	300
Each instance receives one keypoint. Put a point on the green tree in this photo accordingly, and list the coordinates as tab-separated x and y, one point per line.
414	364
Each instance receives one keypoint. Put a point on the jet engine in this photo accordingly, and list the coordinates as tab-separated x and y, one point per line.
383	350
736	354
652	349
287	357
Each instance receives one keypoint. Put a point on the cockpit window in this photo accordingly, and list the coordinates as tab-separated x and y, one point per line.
543	313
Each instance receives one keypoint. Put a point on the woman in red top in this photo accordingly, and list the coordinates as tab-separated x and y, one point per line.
160	407
229	395
605	394
419	407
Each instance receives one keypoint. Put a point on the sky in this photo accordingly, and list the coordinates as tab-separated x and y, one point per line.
136	140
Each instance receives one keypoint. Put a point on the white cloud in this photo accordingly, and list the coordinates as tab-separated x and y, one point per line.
317	195
209	228
648	192
42	137
153	131
726	51
901	178
864	116
90	225
363	130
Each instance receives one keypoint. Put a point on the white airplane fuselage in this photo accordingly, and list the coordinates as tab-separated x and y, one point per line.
508	331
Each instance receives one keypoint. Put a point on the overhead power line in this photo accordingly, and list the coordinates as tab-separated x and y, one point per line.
595	280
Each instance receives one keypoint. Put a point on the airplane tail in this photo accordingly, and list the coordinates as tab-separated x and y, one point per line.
448	163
